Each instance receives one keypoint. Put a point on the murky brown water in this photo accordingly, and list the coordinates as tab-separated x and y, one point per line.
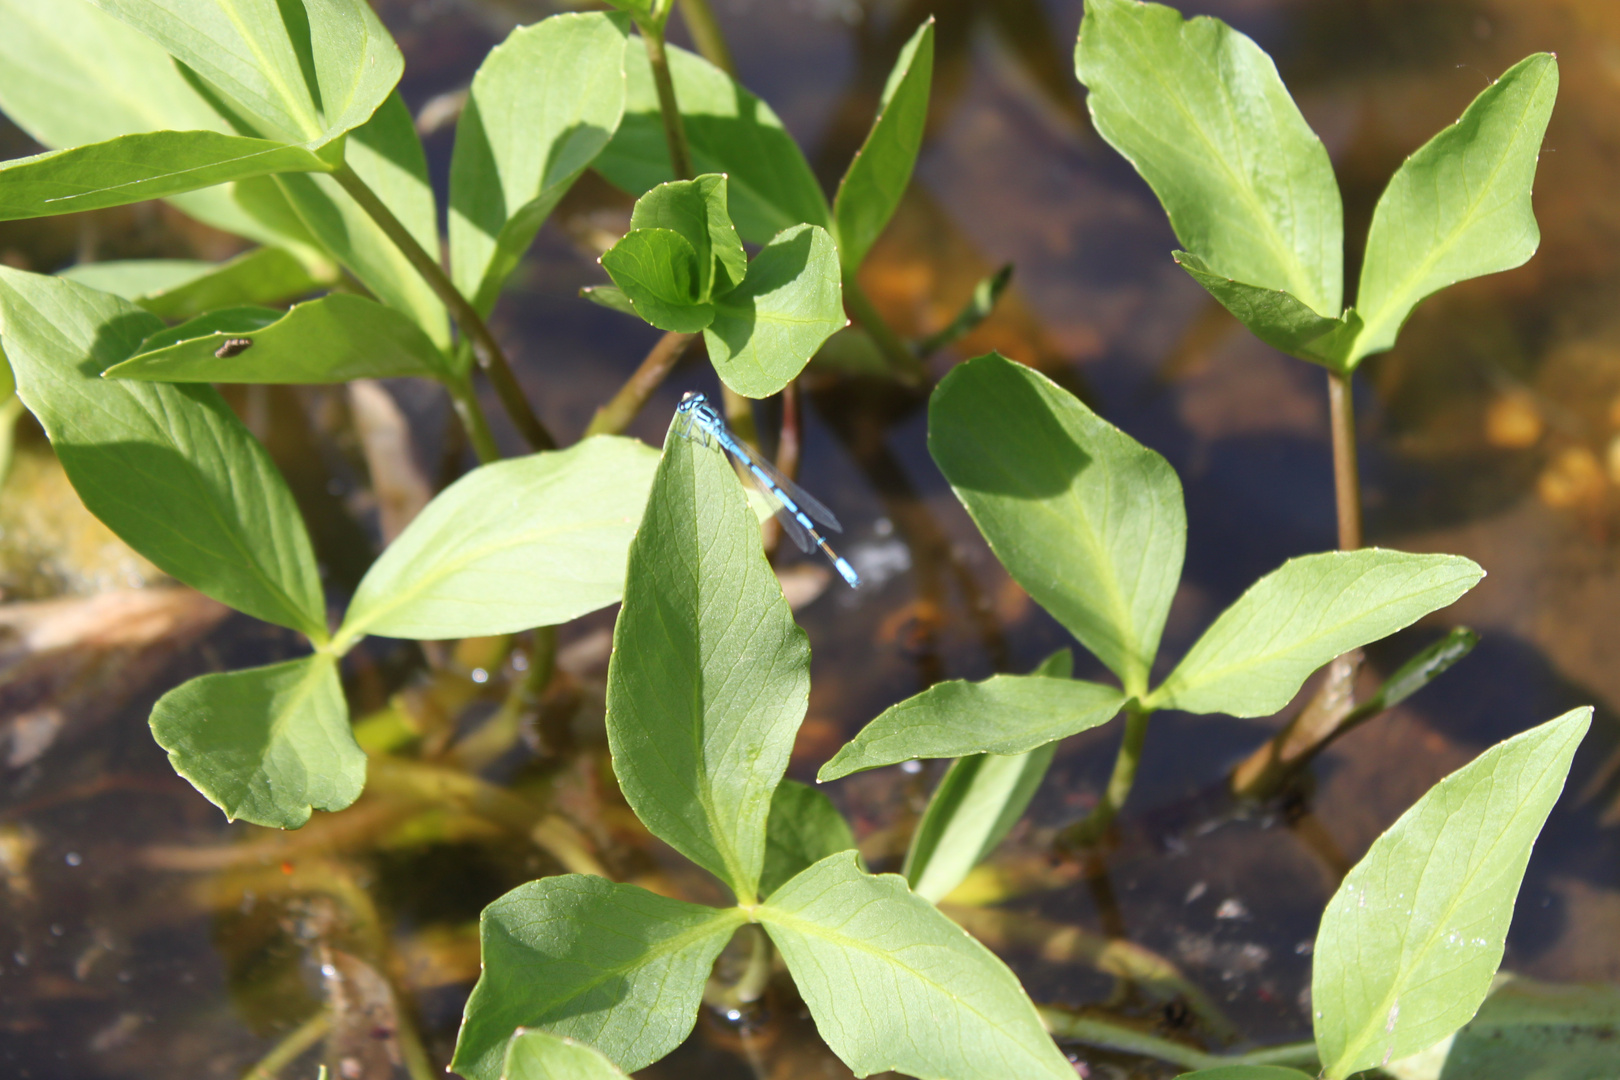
145	938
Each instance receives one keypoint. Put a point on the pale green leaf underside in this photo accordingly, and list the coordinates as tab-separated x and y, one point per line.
299	73
1084	517
1412	938
183	288
542	106
170	469
1200	111
975	806
710	676
893	984
1280	319
266	745
537	1055
1004	714
330	340
877	177
765	330
1528	1029
657	270
614	966
1256	655
533	541
1459	207
804	828
730	131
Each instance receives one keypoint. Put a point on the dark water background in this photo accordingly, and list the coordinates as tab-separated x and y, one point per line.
1492	431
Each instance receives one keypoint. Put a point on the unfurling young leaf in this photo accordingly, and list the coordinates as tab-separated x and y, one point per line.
697	210
209	506
265	745
710	675
1410	942
1086	519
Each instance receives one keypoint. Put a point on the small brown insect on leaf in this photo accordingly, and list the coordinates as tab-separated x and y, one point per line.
235	346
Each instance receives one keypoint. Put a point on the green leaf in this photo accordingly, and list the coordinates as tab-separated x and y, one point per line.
297	73
542	106
1526	1029
386	153
1004	714
657	269
266	745
533	541
1086	519
1409	943
1459	207
1200	111
766	329
975	806
881	169
71	76
333	339
1278	318
131	168
710	676
536	1055
184	288
893	984
804	828
611	297
697	210
1255	657
170	469
611	965
729	131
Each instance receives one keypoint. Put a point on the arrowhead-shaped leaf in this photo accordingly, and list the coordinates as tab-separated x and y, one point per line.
533	541
766	329
1200	111
297	73
710	676
1411	940
611	965
536	1055
893	984
1460	206
804	828
184	288
1255	657
1086	519
729	131
333	339
170	469
878	175
265	745
1280	319
542	106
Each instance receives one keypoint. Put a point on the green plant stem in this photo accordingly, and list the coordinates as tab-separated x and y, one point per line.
756	976
1101	1033
1346	470
707	35
473	419
904	362
10	412
501	731
680	156
291	1047
615	416
485	348
1090	829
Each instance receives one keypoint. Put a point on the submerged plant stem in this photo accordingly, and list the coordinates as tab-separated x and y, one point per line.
615	416
1346	470
680	156
485	348
1094	1032
1091	828
291	1047
906	366
501	731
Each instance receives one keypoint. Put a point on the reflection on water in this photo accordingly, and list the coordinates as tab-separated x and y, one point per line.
144	937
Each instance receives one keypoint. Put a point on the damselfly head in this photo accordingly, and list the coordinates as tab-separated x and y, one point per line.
691	400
